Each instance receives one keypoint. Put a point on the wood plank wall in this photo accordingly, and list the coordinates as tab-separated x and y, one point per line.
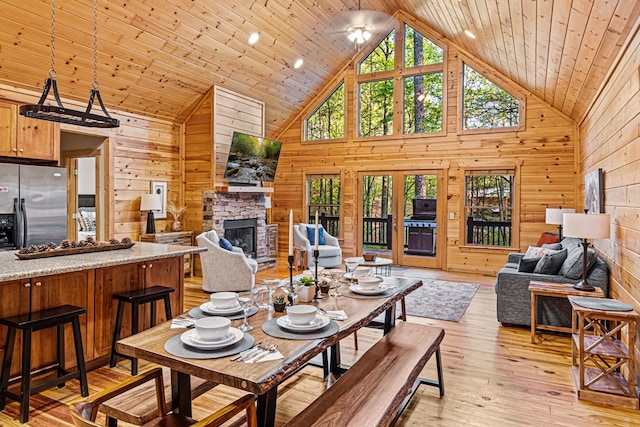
543	151
141	150
610	139
208	132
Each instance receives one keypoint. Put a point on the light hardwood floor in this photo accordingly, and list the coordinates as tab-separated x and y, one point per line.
493	375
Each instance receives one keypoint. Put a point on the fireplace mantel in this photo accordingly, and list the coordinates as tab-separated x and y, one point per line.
243	189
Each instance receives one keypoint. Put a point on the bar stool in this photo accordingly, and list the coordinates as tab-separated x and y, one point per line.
28	323
135	298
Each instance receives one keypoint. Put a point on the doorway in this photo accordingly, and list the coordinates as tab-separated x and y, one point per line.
401	217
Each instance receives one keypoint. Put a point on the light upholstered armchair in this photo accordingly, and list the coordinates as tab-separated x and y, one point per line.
223	269
330	253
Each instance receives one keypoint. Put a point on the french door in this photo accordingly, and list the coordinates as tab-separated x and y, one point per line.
400	216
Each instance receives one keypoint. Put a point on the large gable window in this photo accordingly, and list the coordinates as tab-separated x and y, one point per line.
381	58
485	104
327	121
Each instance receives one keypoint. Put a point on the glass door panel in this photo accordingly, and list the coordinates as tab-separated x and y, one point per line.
419	218
377	219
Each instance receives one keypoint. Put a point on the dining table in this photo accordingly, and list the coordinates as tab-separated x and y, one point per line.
263	378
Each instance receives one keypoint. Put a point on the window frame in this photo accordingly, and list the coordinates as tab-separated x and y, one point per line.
333	90
336	174
510	89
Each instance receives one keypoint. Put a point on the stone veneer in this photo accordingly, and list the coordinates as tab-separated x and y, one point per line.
221	205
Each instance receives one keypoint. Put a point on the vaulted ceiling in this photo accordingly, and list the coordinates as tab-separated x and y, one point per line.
157	58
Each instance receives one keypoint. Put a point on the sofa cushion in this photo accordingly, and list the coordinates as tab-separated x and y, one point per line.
554	246
225	244
548	238
537	252
311	235
572	266
551	262
328	251
527	265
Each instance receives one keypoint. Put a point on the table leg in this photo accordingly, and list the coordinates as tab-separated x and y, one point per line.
266	408
181	393
389	319
334	364
533	317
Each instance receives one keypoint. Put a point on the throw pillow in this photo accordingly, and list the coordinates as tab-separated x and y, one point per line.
527	265
551	262
311	235
225	244
572	266
548	238
535	252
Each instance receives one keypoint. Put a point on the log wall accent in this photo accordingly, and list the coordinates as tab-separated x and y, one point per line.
542	152
609	139
207	137
141	150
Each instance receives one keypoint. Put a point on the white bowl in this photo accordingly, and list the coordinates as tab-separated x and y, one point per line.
361	271
369	282
301	314
212	328
224	299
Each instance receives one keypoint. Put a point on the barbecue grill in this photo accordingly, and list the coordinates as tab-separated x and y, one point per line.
422	227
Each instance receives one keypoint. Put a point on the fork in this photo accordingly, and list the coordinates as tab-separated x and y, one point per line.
243	355
271	349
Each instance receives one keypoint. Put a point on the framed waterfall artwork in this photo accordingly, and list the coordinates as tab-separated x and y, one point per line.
594	192
160	188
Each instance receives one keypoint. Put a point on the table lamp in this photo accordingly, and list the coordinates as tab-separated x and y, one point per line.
554	216
586	226
151	202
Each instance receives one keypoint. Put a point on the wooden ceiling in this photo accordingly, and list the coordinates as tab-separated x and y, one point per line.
157	58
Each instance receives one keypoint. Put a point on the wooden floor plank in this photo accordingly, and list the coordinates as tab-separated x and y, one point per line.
493	375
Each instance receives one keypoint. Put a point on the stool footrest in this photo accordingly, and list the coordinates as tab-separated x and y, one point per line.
141	296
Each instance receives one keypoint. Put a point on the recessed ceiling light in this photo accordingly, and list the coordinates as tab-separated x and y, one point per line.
470	34
298	63
253	38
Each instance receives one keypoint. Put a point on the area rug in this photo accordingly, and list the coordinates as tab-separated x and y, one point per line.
438	299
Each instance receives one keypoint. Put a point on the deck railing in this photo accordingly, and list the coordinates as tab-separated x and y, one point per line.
489	233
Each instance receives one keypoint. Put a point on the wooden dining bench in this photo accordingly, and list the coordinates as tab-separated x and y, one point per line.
374	391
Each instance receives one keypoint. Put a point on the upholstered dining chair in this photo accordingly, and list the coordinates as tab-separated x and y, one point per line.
330	253
225	269
84	413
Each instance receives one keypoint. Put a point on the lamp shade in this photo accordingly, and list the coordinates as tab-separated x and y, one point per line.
586	226
554	215
150	202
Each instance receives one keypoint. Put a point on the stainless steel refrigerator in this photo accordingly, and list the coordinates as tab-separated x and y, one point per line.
33	205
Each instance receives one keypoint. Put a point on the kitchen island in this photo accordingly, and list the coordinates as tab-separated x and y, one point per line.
88	280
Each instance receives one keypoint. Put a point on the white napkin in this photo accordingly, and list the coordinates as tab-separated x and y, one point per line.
182	322
337	314
262	357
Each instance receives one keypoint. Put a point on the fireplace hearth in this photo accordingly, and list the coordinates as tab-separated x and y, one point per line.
242	233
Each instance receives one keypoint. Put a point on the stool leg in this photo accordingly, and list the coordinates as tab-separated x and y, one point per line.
134	330
440	376
153	314
60	351
77	339
25	392
167	307
116	334
6	365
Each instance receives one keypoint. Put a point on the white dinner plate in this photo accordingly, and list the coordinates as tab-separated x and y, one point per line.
190	338
208	308
350	276
375	291
318	323
230	336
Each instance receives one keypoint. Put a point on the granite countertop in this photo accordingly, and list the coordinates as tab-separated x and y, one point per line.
13	268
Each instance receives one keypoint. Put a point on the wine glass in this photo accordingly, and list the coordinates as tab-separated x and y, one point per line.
271	285
246	300
335	275
351	266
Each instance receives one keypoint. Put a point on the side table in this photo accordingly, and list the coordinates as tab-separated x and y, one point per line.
558	290
382	265
603	353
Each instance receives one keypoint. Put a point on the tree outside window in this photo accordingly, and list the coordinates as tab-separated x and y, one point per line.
381	58
485	104
423	103
489	207
376	108
327	121
323	195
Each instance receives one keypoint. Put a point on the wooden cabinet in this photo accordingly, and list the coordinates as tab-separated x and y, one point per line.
180	238
271	240
126	278
25	137
603	354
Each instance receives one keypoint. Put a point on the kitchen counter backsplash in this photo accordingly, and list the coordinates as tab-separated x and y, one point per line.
12	268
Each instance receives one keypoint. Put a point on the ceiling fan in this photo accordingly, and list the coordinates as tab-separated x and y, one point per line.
359	25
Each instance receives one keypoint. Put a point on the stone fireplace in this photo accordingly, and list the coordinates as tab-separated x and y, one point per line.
242	233
225	211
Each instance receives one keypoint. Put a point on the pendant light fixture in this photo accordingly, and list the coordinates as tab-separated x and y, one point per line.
59	113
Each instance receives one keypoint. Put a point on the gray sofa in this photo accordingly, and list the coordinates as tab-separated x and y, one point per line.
514	298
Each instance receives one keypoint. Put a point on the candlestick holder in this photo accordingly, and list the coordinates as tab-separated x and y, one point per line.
316	255
292	290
